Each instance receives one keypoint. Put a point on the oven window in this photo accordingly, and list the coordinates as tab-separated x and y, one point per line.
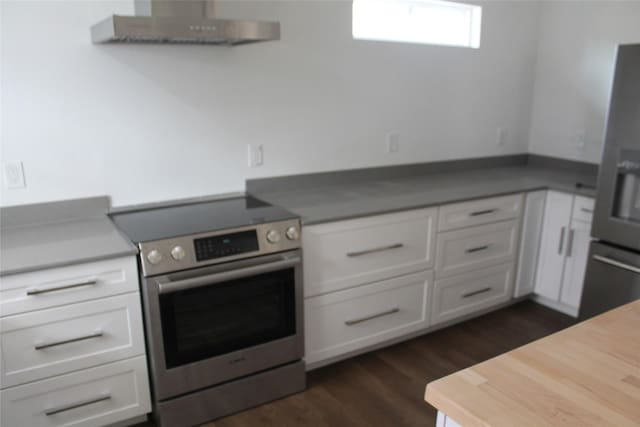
224	317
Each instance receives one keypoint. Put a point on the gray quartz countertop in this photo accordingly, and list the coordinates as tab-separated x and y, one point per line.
351	200
47	235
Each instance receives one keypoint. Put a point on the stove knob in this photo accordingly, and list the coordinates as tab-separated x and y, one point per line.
273	236
154	256
292	233
178	253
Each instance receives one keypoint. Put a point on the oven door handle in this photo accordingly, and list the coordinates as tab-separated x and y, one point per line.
225	276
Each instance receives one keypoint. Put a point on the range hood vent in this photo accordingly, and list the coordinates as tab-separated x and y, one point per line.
181	22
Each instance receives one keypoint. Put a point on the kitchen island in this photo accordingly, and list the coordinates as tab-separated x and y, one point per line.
586	375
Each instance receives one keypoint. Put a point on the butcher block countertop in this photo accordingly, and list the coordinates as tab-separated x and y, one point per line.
586	375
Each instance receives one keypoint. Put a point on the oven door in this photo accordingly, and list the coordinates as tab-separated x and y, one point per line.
214	324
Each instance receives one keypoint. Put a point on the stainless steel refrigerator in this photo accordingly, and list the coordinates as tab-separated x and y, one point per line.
613	269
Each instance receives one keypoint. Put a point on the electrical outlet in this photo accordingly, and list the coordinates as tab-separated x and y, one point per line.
255	155
393	142
501	137
13	174
579	140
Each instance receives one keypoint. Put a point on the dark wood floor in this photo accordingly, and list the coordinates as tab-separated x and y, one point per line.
386	387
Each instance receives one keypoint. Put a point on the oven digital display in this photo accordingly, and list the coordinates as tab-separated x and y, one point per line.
226	245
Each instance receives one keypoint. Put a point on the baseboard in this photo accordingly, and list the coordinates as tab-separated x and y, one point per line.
555	305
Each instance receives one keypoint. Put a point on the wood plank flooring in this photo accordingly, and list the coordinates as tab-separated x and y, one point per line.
386	387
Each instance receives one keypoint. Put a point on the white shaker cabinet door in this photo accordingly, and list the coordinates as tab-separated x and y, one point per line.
577	254
530	242
555	231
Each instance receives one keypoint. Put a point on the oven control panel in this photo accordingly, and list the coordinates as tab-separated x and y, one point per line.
226	244
181	253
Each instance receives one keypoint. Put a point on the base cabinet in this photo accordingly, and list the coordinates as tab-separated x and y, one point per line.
92	397
461	295
72	349
345	321
563	251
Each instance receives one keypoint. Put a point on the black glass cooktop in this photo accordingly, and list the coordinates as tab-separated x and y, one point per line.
200	217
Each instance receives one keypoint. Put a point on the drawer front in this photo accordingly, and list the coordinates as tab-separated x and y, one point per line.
98	396
350	253
583	208
349	320
460	251
477	212
20	293
58	340
465	294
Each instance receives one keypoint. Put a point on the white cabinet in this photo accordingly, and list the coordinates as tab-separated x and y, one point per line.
350	253
576	263
557	218
461	251
563	251
367	281
481	211
460	295
348	320
475	256
530	242
72	346
49	342
92	397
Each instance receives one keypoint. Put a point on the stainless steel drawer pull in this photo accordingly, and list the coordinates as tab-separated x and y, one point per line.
36	291
616	263
572	233
97	334
478	292
561	244
373	316
585	210
477	249
71	406
374	250
484	212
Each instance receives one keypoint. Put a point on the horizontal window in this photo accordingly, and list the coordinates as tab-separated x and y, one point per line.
418	21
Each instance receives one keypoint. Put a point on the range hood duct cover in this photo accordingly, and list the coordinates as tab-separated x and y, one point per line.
181	22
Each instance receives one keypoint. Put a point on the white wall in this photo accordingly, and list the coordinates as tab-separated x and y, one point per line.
576	58
150	122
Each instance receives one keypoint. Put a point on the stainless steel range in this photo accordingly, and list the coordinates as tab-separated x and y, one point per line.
222	298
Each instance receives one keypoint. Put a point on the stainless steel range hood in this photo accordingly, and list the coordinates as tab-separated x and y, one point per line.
181	21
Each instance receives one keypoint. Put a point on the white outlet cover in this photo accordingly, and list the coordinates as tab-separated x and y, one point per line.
13	172
255	154
501	137
393	142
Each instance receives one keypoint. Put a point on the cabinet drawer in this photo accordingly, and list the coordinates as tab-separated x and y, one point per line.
350	253
348	320
477	212
20	293
58	340
583	208
460	251
465	294
92	397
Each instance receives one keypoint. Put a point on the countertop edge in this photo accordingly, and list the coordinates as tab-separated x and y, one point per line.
338	217
29	269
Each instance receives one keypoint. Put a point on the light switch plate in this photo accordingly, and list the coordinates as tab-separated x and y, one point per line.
13	174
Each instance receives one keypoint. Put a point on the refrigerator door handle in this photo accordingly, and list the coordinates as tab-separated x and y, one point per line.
615	263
